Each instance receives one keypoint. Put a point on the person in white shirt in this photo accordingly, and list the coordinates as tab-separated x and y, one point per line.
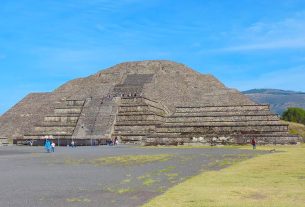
53	146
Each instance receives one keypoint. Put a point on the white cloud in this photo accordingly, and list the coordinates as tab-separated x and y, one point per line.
289	33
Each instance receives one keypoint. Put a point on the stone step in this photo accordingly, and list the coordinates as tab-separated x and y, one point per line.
221	113
75	102
222	123
64	106
141	108
223	108
134	128
135	113
133	139
132	101
129	133
138	123
167	135
55	130
63	115
190	134
188	119
42	136
56	124
121	118
73	110
221	128
62	119
140	101
165	141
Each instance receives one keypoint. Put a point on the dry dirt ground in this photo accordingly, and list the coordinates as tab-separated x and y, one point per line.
105	176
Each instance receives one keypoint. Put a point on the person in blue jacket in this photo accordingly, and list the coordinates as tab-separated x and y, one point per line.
47	145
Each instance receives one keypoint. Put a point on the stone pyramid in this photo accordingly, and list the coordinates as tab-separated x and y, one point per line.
148	102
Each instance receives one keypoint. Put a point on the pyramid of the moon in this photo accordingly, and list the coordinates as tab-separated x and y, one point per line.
150	102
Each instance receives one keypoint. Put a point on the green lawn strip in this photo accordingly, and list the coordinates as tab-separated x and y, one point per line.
270	180
190	146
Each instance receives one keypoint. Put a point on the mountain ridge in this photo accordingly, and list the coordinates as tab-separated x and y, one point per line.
278	99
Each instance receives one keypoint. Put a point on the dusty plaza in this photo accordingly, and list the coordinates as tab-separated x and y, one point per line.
122	176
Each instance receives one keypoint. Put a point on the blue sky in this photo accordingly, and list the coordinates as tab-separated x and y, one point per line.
246	44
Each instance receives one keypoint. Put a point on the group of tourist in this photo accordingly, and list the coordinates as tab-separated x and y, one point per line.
49	146
112	142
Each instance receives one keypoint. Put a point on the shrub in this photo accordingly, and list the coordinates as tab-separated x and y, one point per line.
294	115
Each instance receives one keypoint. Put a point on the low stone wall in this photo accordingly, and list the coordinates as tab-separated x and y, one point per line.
62	142
3	141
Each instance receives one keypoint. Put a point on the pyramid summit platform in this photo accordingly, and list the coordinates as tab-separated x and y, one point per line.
145	102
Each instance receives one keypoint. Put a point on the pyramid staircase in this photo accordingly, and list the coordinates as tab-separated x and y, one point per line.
97	119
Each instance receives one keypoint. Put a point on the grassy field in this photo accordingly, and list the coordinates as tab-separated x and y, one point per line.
273	180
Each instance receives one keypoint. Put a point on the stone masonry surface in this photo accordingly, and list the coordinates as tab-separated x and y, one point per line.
147	102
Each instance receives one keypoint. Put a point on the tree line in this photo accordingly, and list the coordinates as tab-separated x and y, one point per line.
294	115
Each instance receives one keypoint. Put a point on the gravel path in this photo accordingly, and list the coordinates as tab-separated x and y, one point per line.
76	177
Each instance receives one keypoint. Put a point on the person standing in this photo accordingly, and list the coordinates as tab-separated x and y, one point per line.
115	141
47	145
53	146
253	142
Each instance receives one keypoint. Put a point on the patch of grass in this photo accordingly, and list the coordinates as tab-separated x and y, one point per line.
125	181
172	175
142	177
130	159
119	190
73	161
270	180
78	200
167	169
148	181
123	190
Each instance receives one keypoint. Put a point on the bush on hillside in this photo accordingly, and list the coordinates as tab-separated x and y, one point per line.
294	115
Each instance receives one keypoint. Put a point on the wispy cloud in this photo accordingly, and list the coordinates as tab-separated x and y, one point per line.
288	33
97	6
279	44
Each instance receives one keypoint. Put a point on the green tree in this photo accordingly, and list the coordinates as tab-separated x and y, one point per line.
294	115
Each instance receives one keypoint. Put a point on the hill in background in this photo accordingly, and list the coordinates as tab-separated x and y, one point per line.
279	100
